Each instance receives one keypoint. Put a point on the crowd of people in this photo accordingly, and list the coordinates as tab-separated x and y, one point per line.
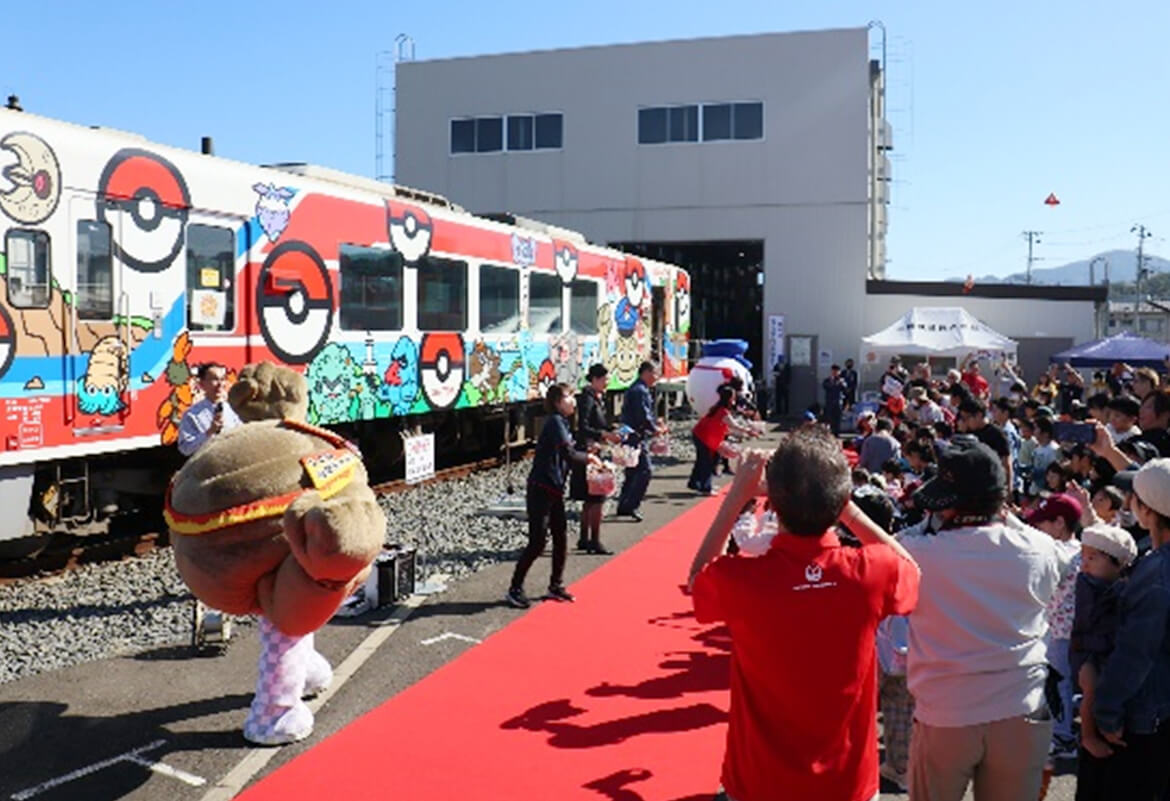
981	565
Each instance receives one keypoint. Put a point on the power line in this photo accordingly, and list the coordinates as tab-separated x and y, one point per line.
1033	238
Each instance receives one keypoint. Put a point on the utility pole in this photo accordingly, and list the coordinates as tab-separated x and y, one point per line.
1142	235
1033	238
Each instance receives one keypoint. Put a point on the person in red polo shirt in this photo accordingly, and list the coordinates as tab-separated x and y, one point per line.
802	618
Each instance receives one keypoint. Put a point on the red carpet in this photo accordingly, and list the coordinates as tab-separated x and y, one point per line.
621	695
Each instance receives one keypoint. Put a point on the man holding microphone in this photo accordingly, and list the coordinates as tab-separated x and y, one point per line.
209	416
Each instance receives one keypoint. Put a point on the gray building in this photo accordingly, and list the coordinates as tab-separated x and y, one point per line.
757	162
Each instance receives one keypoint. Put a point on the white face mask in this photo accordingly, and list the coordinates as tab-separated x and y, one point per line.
1017	397
1126	518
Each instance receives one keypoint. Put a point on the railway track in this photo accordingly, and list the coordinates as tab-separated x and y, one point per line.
68	552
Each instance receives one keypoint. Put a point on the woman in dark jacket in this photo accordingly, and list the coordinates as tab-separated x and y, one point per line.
546	495
592	428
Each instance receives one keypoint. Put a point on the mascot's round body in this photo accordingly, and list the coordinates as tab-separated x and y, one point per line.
276	517
720	361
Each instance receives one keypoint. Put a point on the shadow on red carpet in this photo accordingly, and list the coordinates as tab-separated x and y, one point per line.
621	695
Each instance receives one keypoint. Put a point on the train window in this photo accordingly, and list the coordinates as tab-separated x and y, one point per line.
583	307
28	269
499	300
94	297
211	263
442	294
371	289
544	303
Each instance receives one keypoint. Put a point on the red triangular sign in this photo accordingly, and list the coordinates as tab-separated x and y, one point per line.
1052	200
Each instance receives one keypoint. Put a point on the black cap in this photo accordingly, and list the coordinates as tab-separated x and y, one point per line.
1123	479
968	470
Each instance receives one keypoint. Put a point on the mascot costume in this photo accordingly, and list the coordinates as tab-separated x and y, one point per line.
276	517
719	362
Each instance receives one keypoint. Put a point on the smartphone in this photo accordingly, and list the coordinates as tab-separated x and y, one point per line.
1074	432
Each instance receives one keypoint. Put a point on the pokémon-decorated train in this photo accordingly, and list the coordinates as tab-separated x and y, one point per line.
127	264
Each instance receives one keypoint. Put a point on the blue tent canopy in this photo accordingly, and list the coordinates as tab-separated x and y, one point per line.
1124	347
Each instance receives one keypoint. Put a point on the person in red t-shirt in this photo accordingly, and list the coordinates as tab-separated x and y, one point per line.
971	377
709	434
803	619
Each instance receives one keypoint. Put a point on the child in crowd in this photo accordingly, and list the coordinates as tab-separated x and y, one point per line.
892	473
860	477
1056	478
1106	552
1046	452
1027	450
893	643
1107	503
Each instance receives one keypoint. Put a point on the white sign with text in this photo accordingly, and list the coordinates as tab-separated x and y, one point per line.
420	457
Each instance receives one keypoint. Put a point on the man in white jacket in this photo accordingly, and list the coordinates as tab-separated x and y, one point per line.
977	661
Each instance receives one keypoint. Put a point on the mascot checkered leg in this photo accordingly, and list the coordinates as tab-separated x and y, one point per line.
290	670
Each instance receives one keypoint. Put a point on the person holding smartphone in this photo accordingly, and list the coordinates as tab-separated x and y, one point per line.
209	416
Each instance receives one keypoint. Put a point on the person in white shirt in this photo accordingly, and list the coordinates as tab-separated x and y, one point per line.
1123	417
209	416
977	661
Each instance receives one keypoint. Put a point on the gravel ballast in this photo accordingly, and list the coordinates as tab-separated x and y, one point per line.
120	608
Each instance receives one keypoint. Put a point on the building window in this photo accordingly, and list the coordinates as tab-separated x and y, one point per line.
520	132
583	307
549	131
668	124
499	300
524	132
489	134
442	294
462	136
211	261
371	289
28	268
544	303
723	121
94	298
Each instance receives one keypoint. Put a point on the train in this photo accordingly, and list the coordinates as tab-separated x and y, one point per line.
126	264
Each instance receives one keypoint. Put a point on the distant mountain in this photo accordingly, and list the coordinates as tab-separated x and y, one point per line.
1122	269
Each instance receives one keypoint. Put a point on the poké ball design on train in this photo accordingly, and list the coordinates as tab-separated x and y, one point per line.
441	368
7	341
144	198
626	312
706	376
410	230
565	260
295	300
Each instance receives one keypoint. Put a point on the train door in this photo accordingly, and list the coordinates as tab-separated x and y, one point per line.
657	323
97	321
214	275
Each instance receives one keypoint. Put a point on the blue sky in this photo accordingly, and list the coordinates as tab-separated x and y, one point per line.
993	106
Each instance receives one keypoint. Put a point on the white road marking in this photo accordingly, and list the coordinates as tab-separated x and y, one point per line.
448	635
254	761
134	756
167	770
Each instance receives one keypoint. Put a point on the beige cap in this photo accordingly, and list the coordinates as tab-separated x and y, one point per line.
1117	542
1152	485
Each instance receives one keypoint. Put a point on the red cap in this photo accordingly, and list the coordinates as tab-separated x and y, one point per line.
1055	507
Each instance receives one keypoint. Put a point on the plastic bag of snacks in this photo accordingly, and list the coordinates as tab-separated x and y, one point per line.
626	455
601	480
660	445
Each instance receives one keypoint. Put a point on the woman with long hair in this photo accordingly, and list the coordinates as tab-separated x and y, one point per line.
592	428
546	496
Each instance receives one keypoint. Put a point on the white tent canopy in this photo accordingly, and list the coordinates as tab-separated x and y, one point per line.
936	331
